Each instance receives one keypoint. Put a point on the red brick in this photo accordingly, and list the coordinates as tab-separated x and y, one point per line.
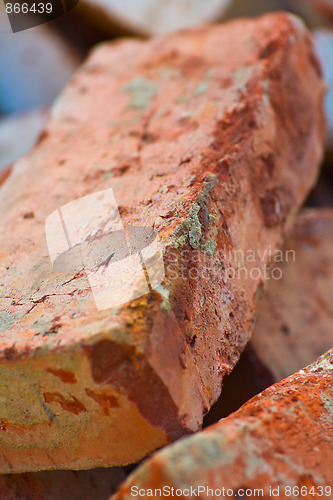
281	438
213	137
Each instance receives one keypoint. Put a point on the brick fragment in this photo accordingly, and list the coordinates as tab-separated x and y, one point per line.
213	138
280	439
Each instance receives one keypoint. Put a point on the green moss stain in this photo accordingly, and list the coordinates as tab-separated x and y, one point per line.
328	403
209	247
191	228
181	99
181	240
7	320
201	89
142	91
206	190
169	73
194	226
107	176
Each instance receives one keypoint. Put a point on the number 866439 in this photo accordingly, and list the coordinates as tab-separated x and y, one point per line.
25	8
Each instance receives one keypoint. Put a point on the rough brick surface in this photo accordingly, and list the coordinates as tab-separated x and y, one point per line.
96	484
295	317
211	136
280	438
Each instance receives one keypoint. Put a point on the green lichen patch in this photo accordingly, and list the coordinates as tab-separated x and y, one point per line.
191	229
328	403
201	89
206	190
143	91
107	176
181	240
194	226
181	99
7	320
209	247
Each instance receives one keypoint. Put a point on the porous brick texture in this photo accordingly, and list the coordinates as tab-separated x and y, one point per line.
295	316
211	136
279	441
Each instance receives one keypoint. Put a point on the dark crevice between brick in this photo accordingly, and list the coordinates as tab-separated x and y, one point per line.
249	377
322	194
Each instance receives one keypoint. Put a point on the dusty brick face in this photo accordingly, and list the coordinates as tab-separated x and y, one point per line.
281	438
213	138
